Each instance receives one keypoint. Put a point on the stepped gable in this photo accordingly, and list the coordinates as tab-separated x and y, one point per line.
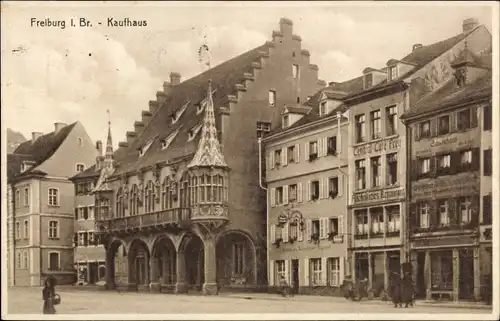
39	151
224	78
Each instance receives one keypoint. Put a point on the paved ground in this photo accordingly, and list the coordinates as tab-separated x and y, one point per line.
28	301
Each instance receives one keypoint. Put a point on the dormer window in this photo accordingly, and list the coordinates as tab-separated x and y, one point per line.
323	108
285	121
194	131
460	77
26	166
393	72
178	113
167	141
145	148
368	80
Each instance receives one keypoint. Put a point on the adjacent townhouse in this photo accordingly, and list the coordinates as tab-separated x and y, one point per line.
41	211
306	181
183	201
450	194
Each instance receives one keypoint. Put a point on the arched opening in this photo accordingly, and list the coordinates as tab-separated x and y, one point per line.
101	272
117	264
236	259
193	249
165	262
138	260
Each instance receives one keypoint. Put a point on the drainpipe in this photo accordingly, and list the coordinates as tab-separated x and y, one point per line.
259	140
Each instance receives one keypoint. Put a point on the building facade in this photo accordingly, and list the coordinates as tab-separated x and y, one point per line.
450	166
183	203
42	206
306	168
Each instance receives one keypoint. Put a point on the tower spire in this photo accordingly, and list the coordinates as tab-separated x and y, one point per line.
209	152
108	157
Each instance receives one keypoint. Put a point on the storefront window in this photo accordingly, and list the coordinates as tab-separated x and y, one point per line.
377	220
393	219
442	270
444	215
424	214
361	222
465	209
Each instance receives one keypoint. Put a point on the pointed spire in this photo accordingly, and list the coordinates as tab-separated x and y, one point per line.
209	152
108	157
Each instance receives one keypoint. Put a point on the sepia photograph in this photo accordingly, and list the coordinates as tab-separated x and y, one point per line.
250	160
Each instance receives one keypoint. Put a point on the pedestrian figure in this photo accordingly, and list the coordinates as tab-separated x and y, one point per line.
285	289
395	289
49	293
407	290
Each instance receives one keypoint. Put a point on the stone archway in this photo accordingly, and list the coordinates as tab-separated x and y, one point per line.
138	262
164	261
116	264
191	251
236	259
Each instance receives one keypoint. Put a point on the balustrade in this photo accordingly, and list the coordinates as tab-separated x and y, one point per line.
169	216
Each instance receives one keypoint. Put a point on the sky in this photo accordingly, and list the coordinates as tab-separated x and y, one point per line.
75	74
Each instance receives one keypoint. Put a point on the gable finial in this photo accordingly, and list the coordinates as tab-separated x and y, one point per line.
204	57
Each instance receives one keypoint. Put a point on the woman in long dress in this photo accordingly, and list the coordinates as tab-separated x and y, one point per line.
395	289
48	292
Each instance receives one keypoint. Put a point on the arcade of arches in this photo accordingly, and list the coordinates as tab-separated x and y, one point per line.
196	264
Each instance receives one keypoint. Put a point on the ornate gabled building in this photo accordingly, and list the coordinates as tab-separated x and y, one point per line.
183	203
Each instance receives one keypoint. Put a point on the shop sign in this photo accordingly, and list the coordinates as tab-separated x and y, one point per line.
379	195
446	186
378	146
459	240
449	142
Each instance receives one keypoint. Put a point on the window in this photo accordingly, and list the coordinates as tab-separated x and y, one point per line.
277	158
27	196
487	118
487	209
26	229
272	98
360	128
149	199
280	269
144	149
392	169
81	213
53	197
393	219
487	162
466	157
368	80
334	226
53	261
360	174
361	222
331	145
464	204
292	193
444	215
119	203
238	258
167	141
393	72
18	197
375	124
80	142
424	165
80	168
377	220
444	125
322	108
375	162
178	113
53	229
134	205
316	272
333	187
92	240
263	128
81	239
314	190
25	259
167	196
464	119
279	195
290	153
334	271
315	227
425	129
313	150
285	121
296	71
18	231
424	214
444	163
18	260
392	120
298	100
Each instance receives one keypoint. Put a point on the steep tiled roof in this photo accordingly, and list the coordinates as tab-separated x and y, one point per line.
298	110
39	151
450	94
192	92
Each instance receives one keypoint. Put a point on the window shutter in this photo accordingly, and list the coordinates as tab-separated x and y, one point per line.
433	127
341	225
321	228
416	130
414	215
297	153
338	144
340	184
271	273
86	213
306	271
326	226
285	194
326	187
319	143
473	117
308	191
271	159
475	159
272	234
432	166
321	190
284	157
306	151
475	209
299	192
434	215
342	273
300	234
285	232
287	272
323	271
308	229
454	162
273	196
76	213
453	122
325	146
453	211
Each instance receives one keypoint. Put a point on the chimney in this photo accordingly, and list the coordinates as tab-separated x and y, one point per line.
35	136
469	24
417	46
98	146
58	127
175	78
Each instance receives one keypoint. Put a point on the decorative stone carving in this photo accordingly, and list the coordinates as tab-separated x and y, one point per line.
216	211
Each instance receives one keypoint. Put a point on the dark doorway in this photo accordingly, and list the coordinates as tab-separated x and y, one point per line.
295	276
140	270
93	273
361	263
466	272
394	262
421	286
